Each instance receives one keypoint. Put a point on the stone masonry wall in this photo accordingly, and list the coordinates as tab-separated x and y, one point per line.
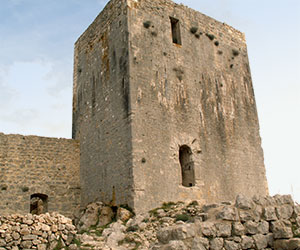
101	107
199	94
258	223
247	223
38	165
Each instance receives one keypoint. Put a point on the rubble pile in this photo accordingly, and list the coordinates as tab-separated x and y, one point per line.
45	231
256	223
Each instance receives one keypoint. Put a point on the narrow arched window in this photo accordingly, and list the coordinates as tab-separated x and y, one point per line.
187	166
38	203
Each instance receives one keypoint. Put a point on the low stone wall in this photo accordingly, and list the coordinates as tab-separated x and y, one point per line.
34	166
257	223
46	231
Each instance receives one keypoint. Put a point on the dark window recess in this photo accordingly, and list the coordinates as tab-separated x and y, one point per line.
38	203
175	25
187	166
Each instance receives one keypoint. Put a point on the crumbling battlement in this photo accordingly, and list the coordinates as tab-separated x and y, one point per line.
35	167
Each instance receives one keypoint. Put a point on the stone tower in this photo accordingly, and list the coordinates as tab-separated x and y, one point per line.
164	108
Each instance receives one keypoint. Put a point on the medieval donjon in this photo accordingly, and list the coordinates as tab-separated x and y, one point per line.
163	110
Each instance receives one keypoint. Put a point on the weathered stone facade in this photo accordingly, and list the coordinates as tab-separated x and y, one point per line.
33	167
164	108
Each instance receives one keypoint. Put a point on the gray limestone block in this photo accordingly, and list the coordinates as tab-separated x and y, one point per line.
284	199
243	202
246	215
164	235
247	242
289	244
260	240
228	213
238	229
284	212
223	229
297	209
251	227
208	229
264	200
269	213
216	244
263	227
200	243
175	245
257	213
231	245
281	229
181	232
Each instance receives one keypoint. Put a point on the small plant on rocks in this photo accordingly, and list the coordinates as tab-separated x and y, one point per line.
147	24
182	217
193	30
210	36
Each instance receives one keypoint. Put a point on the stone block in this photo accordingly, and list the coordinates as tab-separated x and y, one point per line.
281	229
284	212
238	229
269	213
200	243
223	229
231	245
260	241
208	229
263	227
243	202
216	244
228	213
247	242
251	227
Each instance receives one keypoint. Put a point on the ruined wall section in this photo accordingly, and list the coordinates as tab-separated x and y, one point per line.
198	93
38	165
101	107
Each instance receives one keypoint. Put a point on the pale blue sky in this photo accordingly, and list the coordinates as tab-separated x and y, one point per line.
36	63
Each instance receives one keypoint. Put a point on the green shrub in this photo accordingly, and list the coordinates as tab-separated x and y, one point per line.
193	203
210	36
235	52
182	217
147	24
193	30
167	205
132	228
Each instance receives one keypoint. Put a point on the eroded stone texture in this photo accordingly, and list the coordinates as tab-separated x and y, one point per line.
32	165
153	79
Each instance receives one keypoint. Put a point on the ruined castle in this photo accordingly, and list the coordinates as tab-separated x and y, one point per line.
163	110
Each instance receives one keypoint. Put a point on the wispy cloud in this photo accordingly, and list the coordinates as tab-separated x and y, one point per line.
59	78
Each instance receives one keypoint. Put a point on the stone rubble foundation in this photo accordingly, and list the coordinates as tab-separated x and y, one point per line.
257	223
45	231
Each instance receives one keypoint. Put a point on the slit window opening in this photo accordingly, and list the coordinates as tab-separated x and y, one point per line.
175	26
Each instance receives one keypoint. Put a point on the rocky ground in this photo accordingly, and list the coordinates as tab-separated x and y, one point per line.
258	223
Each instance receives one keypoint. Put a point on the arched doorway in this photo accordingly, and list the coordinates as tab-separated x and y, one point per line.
38	203
187	166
